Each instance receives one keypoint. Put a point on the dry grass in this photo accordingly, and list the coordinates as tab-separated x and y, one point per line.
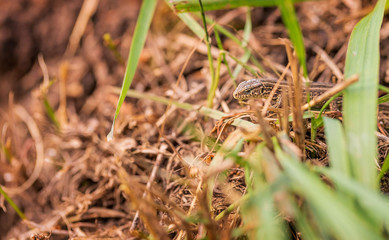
157	175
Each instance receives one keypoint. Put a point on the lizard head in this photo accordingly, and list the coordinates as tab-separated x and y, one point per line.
252	88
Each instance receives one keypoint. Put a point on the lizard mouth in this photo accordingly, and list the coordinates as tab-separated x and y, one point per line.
236	95
245	90
240	96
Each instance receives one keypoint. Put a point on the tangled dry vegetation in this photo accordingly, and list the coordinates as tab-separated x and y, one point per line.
70	182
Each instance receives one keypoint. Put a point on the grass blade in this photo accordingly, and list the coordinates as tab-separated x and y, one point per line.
220	46
263	212
192	5
138	41
261	209
249	126
360	99
214	80
12	203
287	12
326	206
247	53
383	99
290	20
337	147
370	202
384	168
189	21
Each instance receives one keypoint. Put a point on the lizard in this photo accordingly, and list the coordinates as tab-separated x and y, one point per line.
261	88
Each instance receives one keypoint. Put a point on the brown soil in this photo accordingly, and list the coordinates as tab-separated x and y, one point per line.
80	190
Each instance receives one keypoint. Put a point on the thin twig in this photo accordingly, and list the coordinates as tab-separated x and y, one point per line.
39	148
331	92
153	174
273	91
87	10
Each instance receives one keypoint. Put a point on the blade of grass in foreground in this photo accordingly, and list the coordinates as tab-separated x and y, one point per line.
270	224
370	203
323	203
360	99
138	41
260	212
193	6
337	147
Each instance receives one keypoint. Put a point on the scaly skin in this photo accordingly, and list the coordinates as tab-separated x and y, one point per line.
261	88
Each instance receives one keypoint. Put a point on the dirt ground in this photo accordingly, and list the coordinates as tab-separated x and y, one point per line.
64	175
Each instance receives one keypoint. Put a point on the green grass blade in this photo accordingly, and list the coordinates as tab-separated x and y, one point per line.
384	168
332	211
372	203
383	88
189	21
138	41
214	80
360	99
290	20
263	208
287	12
50	112
304	223
247	67
221	48
383	99
192	5
272	226
259	212
249	126
231	36
12	203
337	147
225	32
247	53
